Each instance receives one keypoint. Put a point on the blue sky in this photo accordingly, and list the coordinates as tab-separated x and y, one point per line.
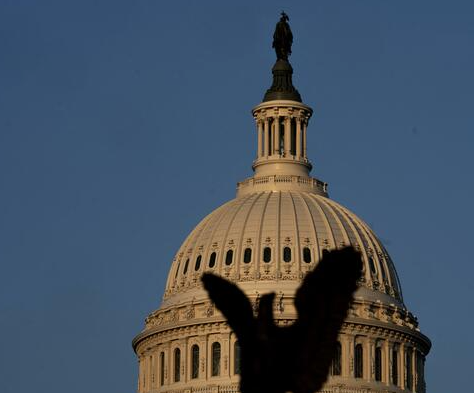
123	123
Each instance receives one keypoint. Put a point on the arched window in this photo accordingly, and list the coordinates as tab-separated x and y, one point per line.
162	368
409	369
267	254
228	257
395	366
420	372
287	254
216	359
378	364
247	255
177	271
236	358
270	136
198	263
282	135
177	364
372	265
293	136
382	270
212	260
186	265
336	361
194	361
306	255
358	361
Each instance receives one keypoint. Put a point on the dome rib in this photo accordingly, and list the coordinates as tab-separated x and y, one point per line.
211	241
240	244
360	243
328	232
260	233
297	242
277	265
221	257
342	229
317	244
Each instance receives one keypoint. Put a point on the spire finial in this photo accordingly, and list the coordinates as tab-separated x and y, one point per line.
282	38
282	87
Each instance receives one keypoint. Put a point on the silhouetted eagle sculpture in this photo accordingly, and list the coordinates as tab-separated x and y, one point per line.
294	358
282	38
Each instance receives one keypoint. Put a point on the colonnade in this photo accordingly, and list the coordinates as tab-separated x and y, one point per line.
283	136
398	363
390	363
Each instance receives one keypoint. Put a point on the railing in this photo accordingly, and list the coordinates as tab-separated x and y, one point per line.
297	180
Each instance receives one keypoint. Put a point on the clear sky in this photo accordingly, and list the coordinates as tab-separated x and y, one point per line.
123	123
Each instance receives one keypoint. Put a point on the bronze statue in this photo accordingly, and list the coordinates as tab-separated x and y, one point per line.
282	38
294	358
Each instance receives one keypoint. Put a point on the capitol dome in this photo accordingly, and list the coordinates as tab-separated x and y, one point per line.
278	227
272	238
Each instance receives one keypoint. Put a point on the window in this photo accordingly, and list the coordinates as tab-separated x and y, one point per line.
198	263
212	260
177	271
186	266
228	257
306	255
287	254
378	364
236	358
282	135
382	270
162	368
247	255
293	136
270	136
395	366
216	359
409	369
267	254
420	366
372	265
194	361
336	361
177	364
358	361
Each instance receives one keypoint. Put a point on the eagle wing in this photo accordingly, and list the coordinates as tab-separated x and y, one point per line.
322	303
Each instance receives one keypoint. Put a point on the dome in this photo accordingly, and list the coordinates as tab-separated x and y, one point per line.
272	238
277	229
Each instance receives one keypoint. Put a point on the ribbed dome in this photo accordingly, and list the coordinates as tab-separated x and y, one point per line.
263	238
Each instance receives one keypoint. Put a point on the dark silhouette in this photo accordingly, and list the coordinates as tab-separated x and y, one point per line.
295	358
282	38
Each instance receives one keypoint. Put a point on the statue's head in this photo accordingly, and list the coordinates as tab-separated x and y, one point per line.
284	17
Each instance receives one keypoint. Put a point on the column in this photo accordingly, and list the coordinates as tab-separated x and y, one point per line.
402	371
287	146
276	143
371	360
305	126
148	371
266	139
345	355
386	356
298	137
140	378
259	137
